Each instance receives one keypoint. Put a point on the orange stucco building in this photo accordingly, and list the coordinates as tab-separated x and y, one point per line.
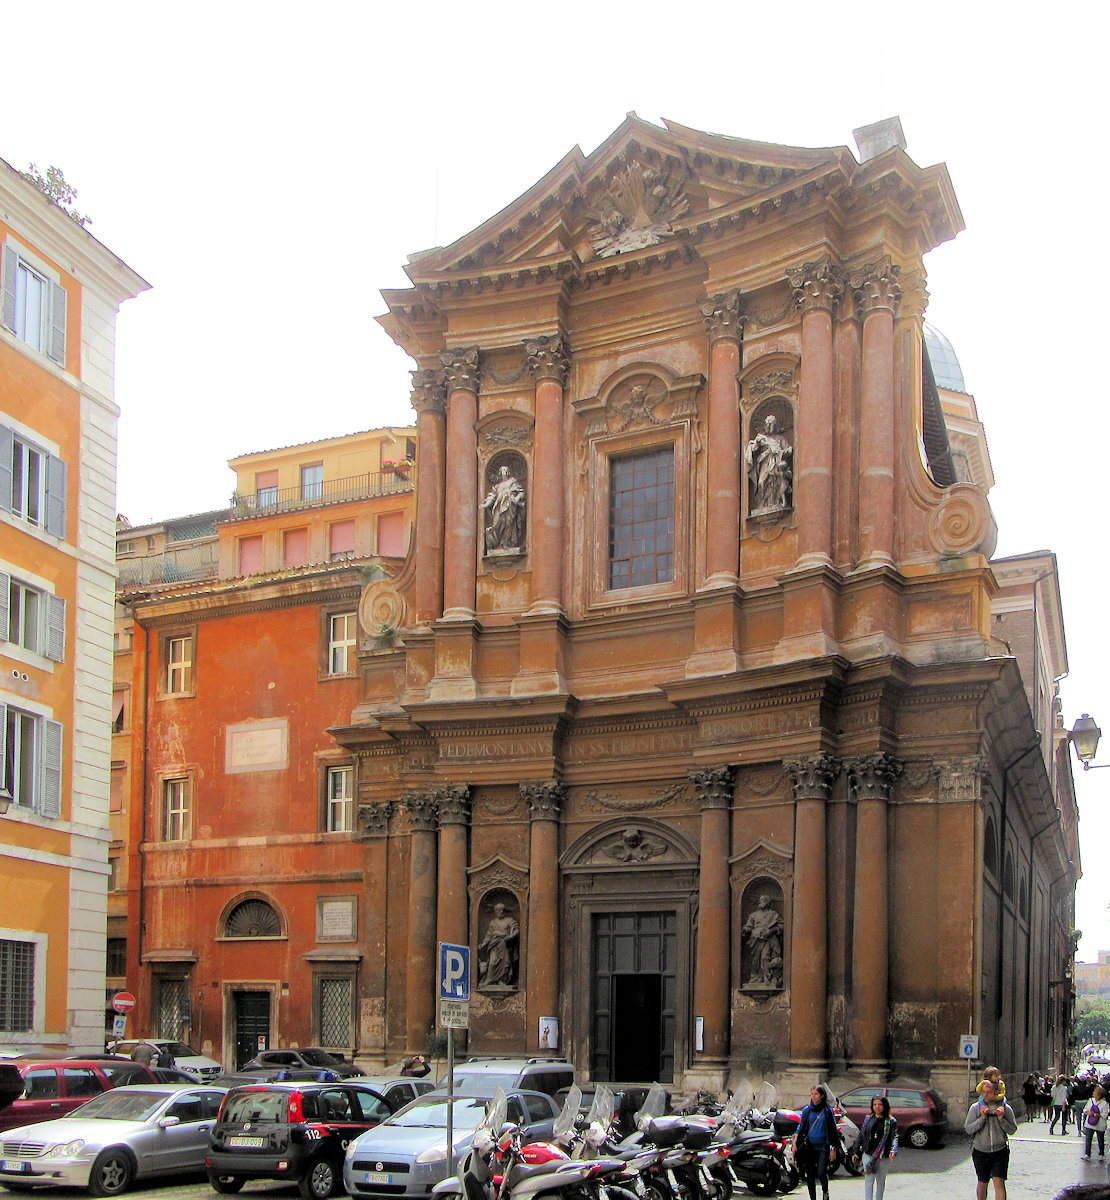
686	713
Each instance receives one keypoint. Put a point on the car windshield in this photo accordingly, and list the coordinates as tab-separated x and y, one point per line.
481	1080
318	1058
179	1049
432	1114
119	1105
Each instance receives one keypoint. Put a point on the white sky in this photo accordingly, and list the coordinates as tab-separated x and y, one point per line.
269	166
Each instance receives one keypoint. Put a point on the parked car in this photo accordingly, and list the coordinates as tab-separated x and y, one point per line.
398	1090
173	1075
124	1134
407	1153
54	1087
921	1113
295	1132
548	1075
198	1066
306	1058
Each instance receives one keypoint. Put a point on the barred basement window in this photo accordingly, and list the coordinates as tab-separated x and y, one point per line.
252	919
17	986
336	996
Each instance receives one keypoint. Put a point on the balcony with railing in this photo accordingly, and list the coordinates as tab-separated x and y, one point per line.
268	501
175	565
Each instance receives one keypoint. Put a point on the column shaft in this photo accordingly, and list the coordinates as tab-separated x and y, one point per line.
461	518
711	987
548	362
542	987
722	552
421	965
431	457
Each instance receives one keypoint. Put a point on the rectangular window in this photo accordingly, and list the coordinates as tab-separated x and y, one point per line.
266	489
296	547
32	618
312	482
335	999
341	800
175	810
342	635
641	519
391	535
32	760
250	555
17	986
341	540
119	777
117	956
32	483
179	665
34	305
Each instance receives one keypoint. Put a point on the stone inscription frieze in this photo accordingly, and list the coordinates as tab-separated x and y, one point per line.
493	751
626	745
763	724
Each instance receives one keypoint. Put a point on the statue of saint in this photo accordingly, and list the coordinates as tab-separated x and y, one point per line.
763	930
504	508
497	951
768	458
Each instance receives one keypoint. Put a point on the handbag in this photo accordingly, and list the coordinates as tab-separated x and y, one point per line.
1094	1115
869	1163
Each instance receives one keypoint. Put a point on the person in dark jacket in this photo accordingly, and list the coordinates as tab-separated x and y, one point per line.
876	1147
816	1141
990	1121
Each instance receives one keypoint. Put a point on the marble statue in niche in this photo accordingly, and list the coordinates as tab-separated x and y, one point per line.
762	935
769	458
499	949
504	509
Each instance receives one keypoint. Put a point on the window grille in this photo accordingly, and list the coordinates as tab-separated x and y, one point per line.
169	1005
335	1011
252	919
17	986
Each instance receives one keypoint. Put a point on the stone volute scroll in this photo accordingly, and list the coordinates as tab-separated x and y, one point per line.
762	932
499	944
505	506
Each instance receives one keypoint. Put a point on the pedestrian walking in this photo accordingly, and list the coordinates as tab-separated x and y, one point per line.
816	1141
990	1121
1059	1105
144	1053
1044	1097
876	1147
1082	1089
1094	1123
1029	1096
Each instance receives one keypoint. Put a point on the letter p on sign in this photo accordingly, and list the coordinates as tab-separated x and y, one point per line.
454	972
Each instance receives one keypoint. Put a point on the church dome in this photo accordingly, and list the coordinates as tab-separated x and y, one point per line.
942	358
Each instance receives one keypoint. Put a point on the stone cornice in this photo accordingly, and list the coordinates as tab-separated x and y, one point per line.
220	598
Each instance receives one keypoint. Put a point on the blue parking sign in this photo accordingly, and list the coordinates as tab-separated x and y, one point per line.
454	972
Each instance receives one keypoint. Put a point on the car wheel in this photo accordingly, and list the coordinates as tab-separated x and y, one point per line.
918	1137
319	1181
111	1173
228	1185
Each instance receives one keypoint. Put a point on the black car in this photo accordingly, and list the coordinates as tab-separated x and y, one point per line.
293	1131
305	1058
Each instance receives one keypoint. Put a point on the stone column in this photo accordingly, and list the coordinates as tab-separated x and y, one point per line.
818	287
548	362
871	780
545	803
877	294
428	400
460	368
812	776
373	830
453	812
724	325
420	967
713	787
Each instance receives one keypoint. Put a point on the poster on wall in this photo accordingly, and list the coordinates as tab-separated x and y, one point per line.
549	1033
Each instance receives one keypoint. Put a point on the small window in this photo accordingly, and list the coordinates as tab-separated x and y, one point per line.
296	548
342	639
641	519
175	809
391	535
340	800
341	540
250	555
178	664
312	482
17	996
34	305
117	957
32	761
335	998
36	619
266	489
32	483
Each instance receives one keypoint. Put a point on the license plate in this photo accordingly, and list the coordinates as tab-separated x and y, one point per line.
253	1143
12	1164
377	1177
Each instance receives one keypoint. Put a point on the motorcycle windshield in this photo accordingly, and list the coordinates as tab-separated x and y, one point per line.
654	1105
601	1115
488	1128
766	1096
572	1106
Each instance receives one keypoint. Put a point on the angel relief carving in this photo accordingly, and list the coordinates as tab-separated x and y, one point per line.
633	845
637	209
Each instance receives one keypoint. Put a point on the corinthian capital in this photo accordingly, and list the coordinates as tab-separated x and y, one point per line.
876	286
713	786
547	358
915	295
421	807
428	391
546	800
961	779
812	775
460	369
452	804
872	776
817	285
722	316
373	820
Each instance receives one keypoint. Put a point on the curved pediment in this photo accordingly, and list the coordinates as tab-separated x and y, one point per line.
625	845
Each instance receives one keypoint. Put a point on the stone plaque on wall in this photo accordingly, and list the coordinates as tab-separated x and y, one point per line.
257	746
336	918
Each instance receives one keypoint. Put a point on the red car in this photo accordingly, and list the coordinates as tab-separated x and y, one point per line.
54	1087
921	1113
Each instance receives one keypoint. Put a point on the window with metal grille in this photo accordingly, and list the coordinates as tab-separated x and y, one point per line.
169	1004
335	997
252	919
641	519
17	986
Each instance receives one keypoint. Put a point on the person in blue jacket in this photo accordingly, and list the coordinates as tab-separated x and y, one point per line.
816	1141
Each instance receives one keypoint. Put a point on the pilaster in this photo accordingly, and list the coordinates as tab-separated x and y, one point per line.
460	370
546	801
548	363
429	401
724	324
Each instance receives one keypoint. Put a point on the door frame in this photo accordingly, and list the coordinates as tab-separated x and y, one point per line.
271	987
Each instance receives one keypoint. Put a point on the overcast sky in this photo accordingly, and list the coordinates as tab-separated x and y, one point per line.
269	166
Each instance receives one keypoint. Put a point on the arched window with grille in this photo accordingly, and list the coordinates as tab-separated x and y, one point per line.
253	918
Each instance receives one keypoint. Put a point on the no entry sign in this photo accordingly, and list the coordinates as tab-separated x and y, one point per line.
123	1002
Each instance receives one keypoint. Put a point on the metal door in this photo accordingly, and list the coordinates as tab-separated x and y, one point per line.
252	1022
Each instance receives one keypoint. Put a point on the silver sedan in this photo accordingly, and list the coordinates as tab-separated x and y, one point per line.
125	1134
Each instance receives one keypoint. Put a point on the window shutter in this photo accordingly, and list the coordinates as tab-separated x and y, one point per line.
55	628
11	265
55	496
59	299
50	795
7	444
5	782
5	597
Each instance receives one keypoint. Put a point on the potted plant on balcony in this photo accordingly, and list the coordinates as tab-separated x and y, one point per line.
400	467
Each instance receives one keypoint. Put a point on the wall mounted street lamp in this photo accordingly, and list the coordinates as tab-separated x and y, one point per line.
1084	737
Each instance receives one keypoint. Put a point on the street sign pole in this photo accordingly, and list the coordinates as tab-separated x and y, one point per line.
453	986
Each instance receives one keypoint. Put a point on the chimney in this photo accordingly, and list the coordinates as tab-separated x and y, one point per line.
873	140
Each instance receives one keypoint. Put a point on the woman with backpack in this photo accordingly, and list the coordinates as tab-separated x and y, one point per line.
1094	1123
816	1141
